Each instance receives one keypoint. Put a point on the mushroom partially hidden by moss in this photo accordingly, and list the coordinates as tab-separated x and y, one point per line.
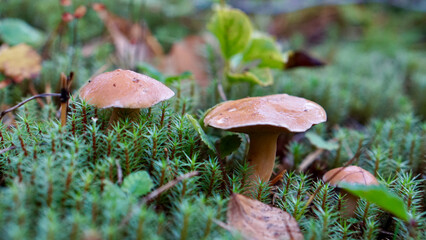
264	119
126	92
350	174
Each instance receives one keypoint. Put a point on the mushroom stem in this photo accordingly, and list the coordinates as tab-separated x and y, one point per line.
261	156
120	113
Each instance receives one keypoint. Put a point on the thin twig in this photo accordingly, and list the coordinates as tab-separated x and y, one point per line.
223	225
167	186
65	83
119	172
27	100
7	149
156	193
221	91
310	159
278	177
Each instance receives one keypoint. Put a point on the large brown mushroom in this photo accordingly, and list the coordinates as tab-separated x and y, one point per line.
126	92
264	119
350	174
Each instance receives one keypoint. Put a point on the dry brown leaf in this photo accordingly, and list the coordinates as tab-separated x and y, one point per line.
133	42
256	220
186	56
20	62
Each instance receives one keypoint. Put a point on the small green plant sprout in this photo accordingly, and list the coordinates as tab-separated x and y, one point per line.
249	55
126	92
137	183
352	175
264	119
14	31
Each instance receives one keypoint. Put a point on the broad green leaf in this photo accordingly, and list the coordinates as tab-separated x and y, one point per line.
182	76
318	142
137	183
201	132
265	50
232	28
229	144
381	196
260	76
15	31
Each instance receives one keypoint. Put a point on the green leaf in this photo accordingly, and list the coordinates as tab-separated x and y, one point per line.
381	196
229	144
201	132
232	28
137	183
113	191
150	71
265	50
318	142
260	76
15	31
182	76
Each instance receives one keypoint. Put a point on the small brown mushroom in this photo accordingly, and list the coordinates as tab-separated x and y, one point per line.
125	91
264	119
350	174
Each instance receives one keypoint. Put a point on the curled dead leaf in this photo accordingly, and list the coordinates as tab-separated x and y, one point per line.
20	62
301	59
256	220
133	42
186	56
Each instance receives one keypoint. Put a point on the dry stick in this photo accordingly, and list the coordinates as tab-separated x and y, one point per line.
221	91
223	225
169	185
119	173
63	83
157	192
357	154
27	100
7	149
278	177
65	90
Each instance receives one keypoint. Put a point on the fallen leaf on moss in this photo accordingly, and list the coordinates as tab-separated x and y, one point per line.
186	55
133	42
256	220
20	62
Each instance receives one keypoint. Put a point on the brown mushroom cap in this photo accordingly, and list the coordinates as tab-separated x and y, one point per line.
124	89
351	174
273	113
